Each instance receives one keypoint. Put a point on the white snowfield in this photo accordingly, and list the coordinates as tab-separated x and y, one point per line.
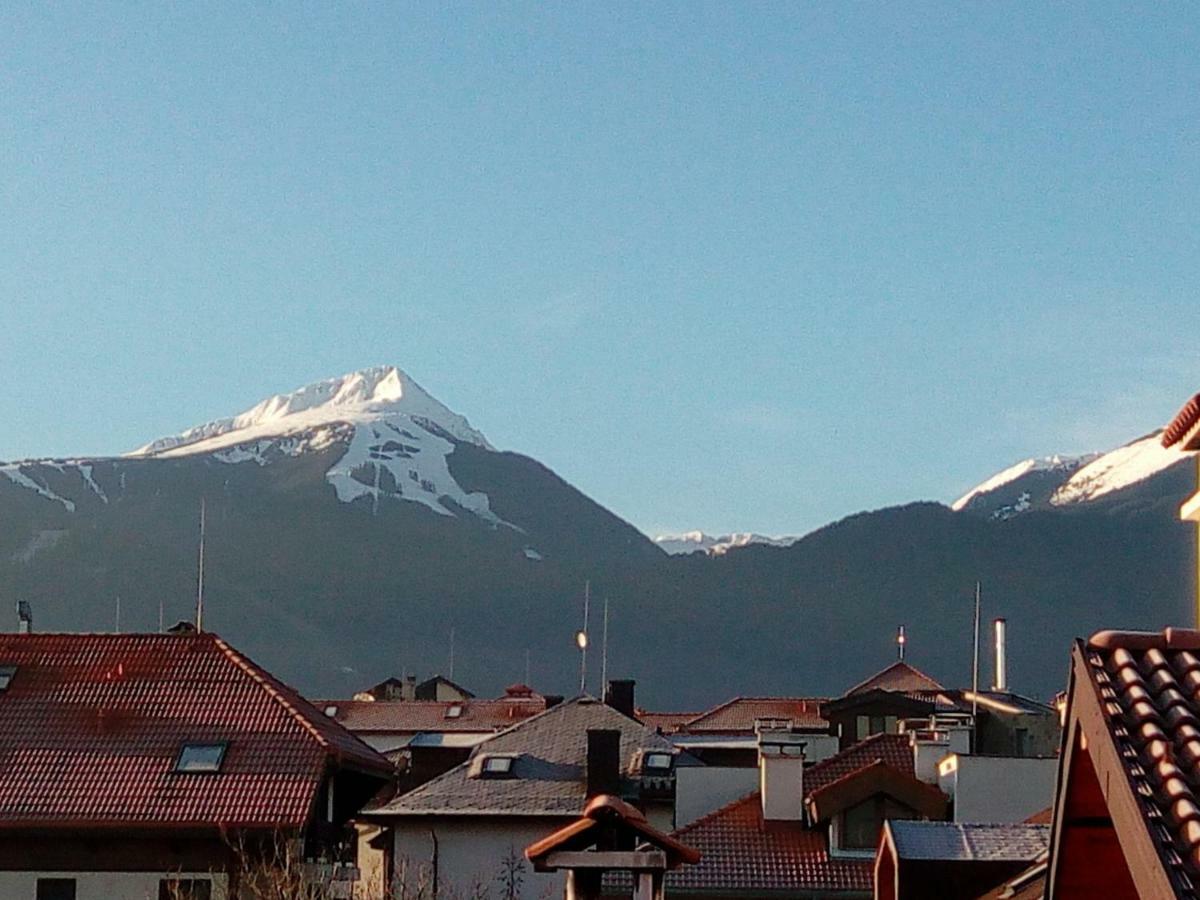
1092	476
692	541
397	439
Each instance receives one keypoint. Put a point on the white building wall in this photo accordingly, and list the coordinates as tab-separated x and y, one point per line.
700	790
997	789
471	853
104	885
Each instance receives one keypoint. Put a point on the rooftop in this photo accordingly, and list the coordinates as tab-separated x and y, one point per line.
94	725
548	772
899	676
961	842
415	716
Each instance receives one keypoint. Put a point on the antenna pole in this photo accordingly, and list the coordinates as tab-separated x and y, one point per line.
900	642
527	684
200	576
118	628
975	660
160	614
451	675
604	651
587	599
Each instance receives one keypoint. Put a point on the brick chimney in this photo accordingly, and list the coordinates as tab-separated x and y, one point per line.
603	762
619	695
781	774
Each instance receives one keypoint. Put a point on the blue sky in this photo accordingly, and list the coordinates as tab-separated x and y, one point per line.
728	266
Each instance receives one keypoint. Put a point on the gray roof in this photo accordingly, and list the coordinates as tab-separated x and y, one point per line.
550	772
964	842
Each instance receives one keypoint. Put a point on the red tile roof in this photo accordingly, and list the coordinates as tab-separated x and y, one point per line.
666	722
414	716
741	852
741	714
602	816
1183	424
899	676
890	749
93	725
1149	689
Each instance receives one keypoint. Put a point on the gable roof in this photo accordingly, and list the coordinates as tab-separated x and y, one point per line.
968	842
550	770
606	816
94	723
427	689
740	852
415	716
876	778
741	713
1131	753
1185	427
899	676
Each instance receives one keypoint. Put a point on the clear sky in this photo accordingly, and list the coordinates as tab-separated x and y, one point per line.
727	266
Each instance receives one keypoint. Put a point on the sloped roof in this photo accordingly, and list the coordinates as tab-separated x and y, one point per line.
891	749
415	716
429	685
964	842
550	771
741	713
740	852
1183	428
666	722
1136	696
602	815
93	725
899	676
877	778
1028	885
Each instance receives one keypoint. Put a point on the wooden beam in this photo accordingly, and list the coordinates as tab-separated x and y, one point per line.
638	861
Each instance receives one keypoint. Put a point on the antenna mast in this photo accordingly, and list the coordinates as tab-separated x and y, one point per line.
604	651
582	638
118	623
975	661
451	675
900	642
200	575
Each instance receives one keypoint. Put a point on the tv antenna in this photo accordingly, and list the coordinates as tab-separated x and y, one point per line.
200	574
581	638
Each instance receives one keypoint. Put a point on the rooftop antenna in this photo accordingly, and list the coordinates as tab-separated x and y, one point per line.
900	641
118	623
581	638
160	614
200	575
975	661
604	650
451	675
527	681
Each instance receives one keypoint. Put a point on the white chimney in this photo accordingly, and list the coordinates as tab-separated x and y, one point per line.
24	617
1001	680
781	774
929	748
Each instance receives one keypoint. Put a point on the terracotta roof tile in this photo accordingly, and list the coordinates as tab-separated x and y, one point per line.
891	749
1149	689
1183	424
741	714
413	716
93	725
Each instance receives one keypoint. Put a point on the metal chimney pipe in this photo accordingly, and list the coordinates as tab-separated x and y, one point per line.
24	617
1001	680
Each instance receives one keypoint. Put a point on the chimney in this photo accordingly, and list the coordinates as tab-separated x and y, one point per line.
781	774
603	762
929	749
1001	680
24	617
619	695
408	690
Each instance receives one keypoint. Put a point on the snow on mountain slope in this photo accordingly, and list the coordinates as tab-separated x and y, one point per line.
1012	473
1121	468
693	541
397	439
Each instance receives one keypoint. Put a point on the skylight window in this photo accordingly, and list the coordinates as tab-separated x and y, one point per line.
493	765
657	763
6	676
200	758
454	712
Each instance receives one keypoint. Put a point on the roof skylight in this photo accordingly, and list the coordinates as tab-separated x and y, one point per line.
200	757
6	676
454	712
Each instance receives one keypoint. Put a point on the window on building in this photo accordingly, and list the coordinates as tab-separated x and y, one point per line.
184	889
493	765
454	712
56	889
200	758
6	676
657	763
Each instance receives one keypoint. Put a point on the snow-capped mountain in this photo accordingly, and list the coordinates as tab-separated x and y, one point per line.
697	541
1065	481
397	439
391	440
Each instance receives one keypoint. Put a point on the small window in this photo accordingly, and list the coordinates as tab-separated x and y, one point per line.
6	676
200	758
657	762
56	889
497	765
184	889
453	712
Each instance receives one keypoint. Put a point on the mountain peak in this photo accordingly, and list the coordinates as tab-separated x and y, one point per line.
363	395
